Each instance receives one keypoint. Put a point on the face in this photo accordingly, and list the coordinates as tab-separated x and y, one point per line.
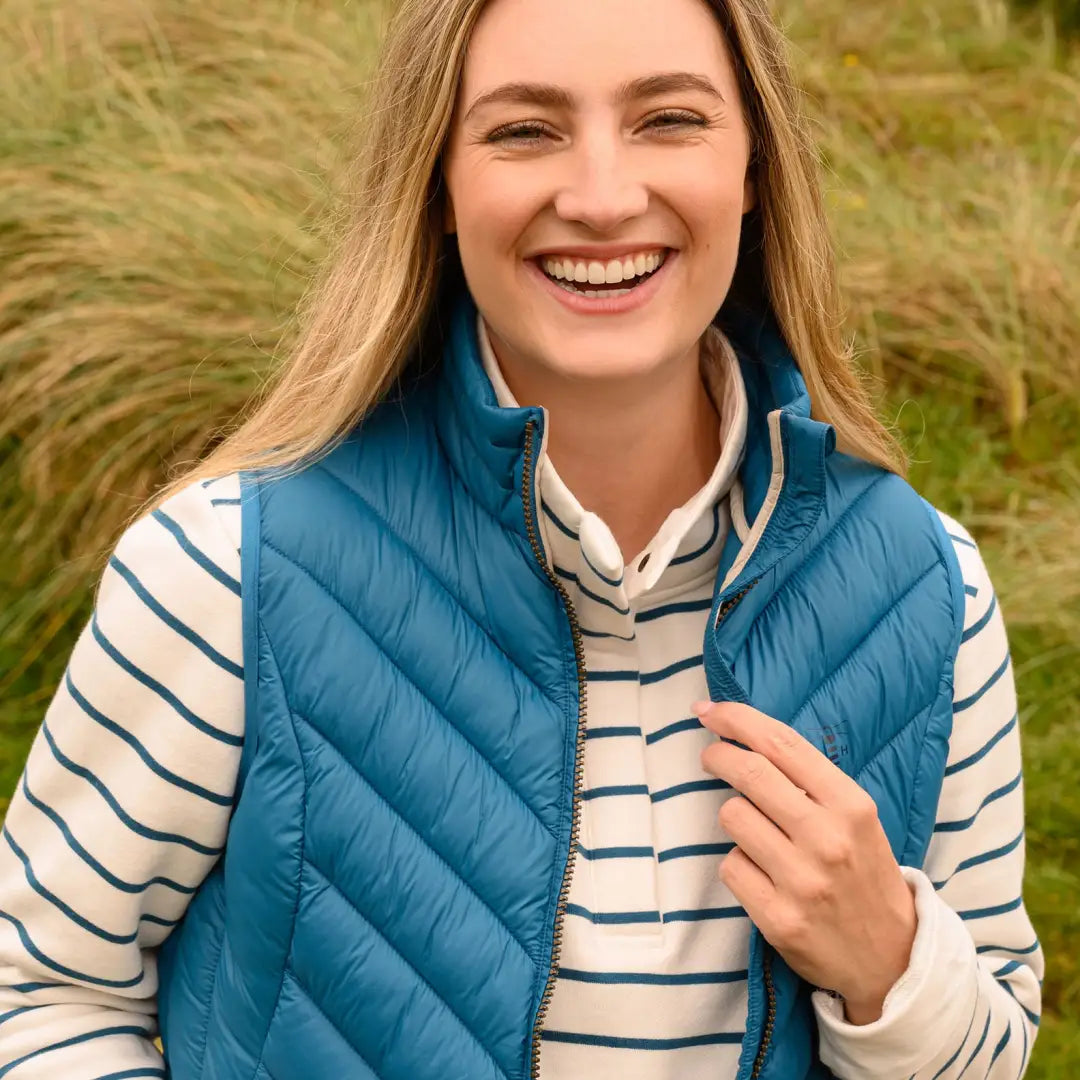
590	136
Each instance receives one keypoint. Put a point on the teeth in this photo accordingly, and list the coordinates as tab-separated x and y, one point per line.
594	292
599	273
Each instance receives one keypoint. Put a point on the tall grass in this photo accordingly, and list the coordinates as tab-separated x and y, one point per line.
165	168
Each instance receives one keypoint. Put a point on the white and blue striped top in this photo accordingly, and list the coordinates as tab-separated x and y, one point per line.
124	805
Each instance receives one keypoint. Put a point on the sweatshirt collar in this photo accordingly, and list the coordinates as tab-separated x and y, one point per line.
685	549
485	442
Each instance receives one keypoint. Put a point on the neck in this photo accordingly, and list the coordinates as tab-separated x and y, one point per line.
630	450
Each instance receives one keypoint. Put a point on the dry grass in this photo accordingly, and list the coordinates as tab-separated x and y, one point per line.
164	167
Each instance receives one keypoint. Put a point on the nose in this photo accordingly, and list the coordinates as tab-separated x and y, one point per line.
603	187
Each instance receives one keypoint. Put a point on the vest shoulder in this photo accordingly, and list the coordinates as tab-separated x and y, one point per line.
395	439
908	532
850	479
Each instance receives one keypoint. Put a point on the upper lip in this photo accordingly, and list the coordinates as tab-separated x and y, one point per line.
599	252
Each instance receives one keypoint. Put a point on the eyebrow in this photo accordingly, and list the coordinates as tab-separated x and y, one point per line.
530	93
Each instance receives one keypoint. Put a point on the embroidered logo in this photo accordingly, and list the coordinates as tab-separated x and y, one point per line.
831	741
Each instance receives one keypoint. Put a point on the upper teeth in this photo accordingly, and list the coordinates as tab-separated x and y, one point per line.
598	273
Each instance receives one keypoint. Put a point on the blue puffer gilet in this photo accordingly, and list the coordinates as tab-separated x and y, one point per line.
389	900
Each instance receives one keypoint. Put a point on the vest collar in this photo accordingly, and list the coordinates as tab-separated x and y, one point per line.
781	487
485	443
782	476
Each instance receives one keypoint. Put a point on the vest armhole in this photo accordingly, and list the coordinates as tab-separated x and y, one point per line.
250	572
915	847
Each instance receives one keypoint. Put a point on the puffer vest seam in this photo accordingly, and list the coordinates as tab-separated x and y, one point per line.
944	686
311	725
870	633
519	540
914	852
912	856
391	532
294	913
420	978
419	689
290	973
205	1034
919	713
907	856
820	546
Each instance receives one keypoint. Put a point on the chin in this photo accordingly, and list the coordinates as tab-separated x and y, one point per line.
615	361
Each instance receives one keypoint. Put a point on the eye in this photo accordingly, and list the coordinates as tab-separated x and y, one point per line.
518	133
675	118
531	134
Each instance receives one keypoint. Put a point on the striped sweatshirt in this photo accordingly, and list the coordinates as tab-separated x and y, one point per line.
124	804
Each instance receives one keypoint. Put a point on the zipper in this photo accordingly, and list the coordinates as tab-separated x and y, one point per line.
579	757
770	1018
726	608
722	613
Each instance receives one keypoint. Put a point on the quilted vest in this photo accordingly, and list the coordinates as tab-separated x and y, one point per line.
391	897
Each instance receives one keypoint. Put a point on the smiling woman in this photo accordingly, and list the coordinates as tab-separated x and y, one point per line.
380	756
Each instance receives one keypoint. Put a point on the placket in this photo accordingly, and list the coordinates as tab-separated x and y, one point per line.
617	871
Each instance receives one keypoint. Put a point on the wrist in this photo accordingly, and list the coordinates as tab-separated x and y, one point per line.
863	1012
864	1003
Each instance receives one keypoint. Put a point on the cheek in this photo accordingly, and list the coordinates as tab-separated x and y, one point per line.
717	204
713	214
491	216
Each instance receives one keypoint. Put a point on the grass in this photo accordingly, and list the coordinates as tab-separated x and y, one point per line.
164	166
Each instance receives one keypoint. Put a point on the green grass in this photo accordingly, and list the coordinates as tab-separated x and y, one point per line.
164	166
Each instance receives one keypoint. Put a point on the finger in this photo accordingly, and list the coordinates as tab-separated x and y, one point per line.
749	884
800	761
771	792
756	835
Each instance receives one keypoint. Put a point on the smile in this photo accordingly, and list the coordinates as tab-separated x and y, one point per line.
603	287
573	273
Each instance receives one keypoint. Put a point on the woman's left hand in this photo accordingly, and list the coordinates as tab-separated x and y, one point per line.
812	865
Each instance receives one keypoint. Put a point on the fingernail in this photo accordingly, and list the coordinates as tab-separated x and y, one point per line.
700	708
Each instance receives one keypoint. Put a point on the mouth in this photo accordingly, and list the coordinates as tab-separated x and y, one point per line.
587	285
583	277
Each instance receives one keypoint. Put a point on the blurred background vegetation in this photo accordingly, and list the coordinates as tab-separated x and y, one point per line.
164	167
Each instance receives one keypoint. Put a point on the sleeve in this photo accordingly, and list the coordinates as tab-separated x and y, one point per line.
123	806
969	1003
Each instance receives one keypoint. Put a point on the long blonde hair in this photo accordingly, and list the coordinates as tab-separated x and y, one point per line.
373	306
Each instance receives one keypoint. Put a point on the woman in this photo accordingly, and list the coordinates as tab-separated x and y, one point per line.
570	443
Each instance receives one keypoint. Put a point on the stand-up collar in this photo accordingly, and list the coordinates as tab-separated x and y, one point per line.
605	582
782	480
485	441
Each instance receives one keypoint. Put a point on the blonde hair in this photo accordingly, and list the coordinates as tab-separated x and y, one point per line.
375	303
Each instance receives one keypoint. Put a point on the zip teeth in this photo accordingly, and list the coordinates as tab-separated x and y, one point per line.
579	760
770	1020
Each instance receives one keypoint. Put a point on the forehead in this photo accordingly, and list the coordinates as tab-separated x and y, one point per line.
588	43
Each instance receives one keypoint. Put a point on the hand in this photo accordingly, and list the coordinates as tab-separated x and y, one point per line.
812	865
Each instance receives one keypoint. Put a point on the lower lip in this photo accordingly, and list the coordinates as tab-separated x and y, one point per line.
606	305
